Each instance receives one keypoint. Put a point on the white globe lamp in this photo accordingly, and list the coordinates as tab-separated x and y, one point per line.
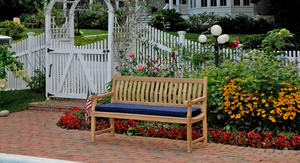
226	37
216	30
202	39
221	39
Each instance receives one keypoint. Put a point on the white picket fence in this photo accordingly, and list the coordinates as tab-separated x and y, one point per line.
75	69
31	52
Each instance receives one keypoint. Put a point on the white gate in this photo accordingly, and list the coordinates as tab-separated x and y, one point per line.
75	69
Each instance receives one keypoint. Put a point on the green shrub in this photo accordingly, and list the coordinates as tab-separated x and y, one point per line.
252	41
201	22
95	18
168	19
38	83
243	24
12	29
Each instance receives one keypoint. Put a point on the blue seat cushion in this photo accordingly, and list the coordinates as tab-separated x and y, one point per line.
147	109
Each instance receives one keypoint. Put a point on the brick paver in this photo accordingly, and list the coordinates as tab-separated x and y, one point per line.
34	133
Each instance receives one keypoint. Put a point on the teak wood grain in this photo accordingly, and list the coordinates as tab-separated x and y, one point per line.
176	92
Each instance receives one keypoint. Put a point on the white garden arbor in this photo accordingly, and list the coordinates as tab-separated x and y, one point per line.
72	70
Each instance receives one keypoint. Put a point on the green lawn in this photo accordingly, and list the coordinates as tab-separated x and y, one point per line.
17	100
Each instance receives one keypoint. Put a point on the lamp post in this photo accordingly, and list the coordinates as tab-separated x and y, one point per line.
216	31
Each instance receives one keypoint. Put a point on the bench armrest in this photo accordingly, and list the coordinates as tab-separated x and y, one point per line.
101	96
197	100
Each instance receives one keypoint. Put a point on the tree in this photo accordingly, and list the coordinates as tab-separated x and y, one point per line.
14	8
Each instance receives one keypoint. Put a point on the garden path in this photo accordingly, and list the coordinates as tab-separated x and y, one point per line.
35	133
95	35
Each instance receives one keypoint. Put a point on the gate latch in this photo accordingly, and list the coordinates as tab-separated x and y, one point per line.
49	50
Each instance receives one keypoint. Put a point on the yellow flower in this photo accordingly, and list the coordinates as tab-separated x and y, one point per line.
262	94
220	89
267	105
227	77
272	112
263	101
232	116
264	115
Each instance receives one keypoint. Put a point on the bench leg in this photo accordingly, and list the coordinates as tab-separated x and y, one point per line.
205	130
112	126
189	137
93	128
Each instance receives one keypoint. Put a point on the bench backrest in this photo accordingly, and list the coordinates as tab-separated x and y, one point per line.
157	91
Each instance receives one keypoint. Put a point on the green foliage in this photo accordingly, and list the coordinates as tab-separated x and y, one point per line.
12	29
38	83
201	22
168	19
277	40
260	73
243	24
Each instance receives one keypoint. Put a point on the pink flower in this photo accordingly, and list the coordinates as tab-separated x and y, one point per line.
173	54
155	14
154	72
141	68
131	54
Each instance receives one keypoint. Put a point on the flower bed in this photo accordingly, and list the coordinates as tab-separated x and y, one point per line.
74	119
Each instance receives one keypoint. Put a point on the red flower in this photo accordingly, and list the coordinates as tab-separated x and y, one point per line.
173	54
234	44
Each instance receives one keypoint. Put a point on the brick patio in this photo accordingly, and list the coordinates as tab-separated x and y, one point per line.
35	133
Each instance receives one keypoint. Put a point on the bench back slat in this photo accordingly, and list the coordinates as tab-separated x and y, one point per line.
134	91
175	93
166	91
158	91
130	91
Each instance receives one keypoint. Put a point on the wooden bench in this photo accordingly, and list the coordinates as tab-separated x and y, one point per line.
172	100
32	25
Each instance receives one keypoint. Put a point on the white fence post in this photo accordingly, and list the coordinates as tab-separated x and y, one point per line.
30	46
181	37
110	42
